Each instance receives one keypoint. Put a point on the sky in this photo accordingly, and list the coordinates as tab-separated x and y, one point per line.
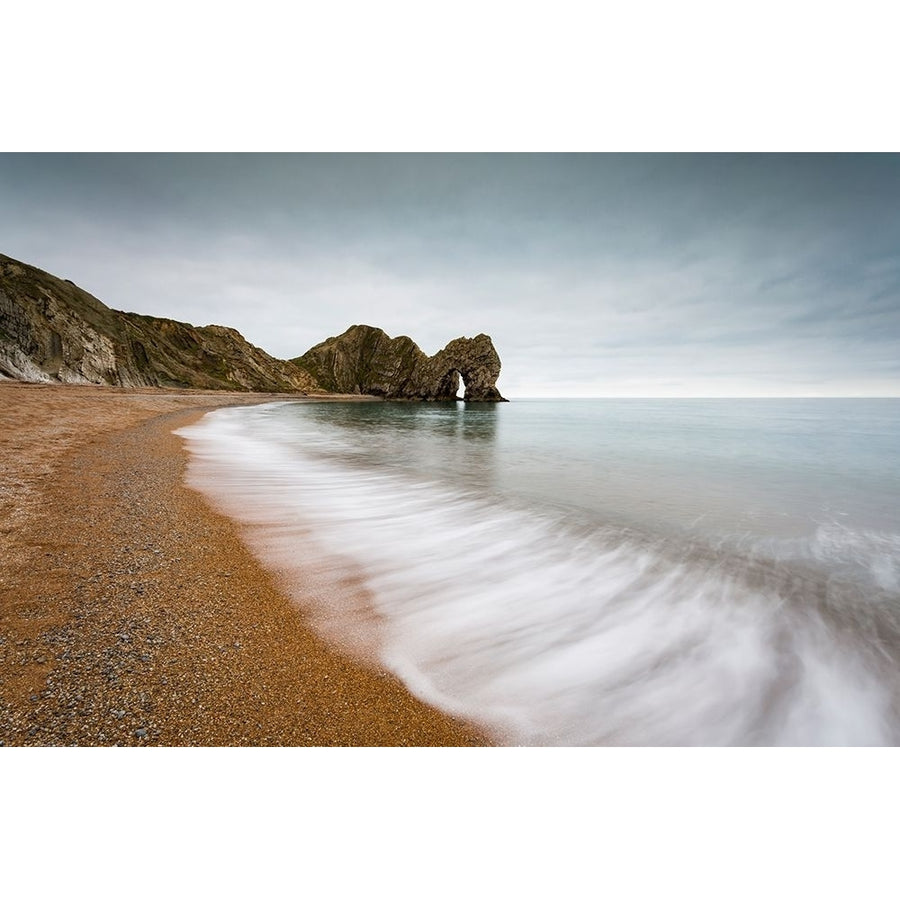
657	275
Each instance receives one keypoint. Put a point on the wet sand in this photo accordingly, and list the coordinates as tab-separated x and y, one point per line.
131	613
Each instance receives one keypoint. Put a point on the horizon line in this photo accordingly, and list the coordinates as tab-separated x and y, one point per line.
710	397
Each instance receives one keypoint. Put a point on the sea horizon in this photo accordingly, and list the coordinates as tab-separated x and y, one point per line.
704	397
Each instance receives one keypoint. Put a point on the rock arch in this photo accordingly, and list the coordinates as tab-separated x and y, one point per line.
364	360
476	361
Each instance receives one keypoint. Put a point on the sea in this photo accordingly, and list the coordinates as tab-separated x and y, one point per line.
590	572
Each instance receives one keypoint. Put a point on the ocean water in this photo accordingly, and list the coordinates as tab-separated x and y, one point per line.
591	572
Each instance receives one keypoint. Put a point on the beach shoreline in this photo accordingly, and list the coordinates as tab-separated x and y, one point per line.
133	613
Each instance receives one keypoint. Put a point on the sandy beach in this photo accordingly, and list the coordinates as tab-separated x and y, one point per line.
131	613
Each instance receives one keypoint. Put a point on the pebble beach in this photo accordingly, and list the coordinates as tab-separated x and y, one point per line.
131	613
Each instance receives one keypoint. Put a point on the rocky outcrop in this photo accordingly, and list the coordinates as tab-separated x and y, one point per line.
475	360
364	360
51	330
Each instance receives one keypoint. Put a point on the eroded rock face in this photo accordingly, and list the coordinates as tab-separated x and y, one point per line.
365	360
476	360
51	330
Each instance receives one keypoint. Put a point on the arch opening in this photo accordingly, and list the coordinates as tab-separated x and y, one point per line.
461	386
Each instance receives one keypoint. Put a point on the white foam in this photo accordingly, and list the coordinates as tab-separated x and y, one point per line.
521	623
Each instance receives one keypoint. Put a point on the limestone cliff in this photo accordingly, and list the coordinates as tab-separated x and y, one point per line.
51	330
364	360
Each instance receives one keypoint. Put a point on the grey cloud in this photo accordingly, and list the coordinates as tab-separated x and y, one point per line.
592	272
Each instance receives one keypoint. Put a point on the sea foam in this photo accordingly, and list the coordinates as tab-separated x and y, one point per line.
542	629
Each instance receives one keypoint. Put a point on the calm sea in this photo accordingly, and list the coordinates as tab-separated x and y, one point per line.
592	571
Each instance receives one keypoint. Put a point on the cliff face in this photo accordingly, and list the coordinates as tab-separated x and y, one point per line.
364	360
51	330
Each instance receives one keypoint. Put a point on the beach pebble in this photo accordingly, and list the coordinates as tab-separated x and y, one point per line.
141	733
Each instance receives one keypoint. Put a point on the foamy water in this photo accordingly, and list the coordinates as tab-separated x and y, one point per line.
659	581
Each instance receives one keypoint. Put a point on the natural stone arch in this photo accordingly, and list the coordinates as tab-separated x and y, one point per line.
365	360
475	361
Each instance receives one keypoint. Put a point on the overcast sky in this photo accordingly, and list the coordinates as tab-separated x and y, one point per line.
596	275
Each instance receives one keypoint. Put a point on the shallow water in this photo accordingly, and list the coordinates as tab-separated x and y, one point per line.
593	572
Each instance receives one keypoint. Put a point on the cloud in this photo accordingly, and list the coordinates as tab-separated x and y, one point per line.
593	273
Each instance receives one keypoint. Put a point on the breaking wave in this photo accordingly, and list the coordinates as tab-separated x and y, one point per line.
547	629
